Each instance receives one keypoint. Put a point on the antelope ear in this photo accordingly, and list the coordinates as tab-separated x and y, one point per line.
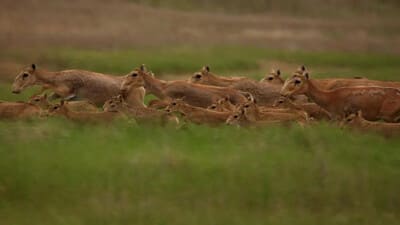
206	69
278	72
33	66
306	75
45	96
142	68
303	68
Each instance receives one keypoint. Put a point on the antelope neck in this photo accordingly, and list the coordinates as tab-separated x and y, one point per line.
319	96
154	86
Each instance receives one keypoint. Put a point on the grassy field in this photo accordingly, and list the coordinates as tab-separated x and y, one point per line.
53	172
60	173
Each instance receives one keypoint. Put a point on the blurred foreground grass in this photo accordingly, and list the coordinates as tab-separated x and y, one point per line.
53	172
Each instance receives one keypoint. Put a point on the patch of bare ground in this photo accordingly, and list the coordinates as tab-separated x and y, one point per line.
121	24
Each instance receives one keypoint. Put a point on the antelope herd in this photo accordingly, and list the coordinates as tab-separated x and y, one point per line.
205	98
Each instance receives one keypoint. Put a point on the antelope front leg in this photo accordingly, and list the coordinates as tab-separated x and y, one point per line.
65	92
70	97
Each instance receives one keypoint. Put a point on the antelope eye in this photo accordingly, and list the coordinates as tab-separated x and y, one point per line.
297	82
235	116
280	101
213	107
270	78
348	120
174	103
198	76
36	100
246	106
134	74
55	107
25	75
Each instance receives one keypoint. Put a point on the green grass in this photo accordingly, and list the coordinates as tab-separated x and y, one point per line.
225	60
7	95
53	172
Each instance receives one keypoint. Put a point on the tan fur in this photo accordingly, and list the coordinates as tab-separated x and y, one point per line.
375	102
198	115
19	110
207	78
77	106
239	118
142	114
274	77
253	113
157	104
333	83
356	121
82	117
194	94
40	100
95	87
312	109
264	93
222	105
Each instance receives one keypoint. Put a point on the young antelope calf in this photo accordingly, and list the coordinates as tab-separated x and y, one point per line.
222	105
19	110
77	106
143	115
82	117
312	109
356	121
197	115
207	78
254	113
274	77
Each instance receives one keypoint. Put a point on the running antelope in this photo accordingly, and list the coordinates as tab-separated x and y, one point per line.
222	105
194	94
61	109
357	121
312	109
78	106
207	78
375	102
197	115
74	84
274	77
143	115
19	110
